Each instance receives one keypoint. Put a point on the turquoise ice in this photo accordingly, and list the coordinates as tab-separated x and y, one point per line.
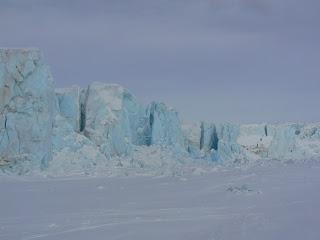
104	127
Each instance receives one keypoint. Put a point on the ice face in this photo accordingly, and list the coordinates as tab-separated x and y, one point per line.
115	121
228	143
192	135
26	109
283	144
280	141
308	140
256	138
216	142
227	148
208	139
165	127
90	129
112	118
68	100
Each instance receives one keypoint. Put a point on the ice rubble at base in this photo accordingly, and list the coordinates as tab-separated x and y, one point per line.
104	129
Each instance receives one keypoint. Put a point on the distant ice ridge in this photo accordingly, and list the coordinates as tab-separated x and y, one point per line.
104	129
230	143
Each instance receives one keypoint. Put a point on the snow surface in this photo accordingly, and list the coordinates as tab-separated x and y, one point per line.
271	201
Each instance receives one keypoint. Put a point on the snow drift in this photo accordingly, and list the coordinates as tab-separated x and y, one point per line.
104	127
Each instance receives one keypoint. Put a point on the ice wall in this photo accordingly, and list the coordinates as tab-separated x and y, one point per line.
192	138
230	143
113	119
165	127
68	101
26	109
75	130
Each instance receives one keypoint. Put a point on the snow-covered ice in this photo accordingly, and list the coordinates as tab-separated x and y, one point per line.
275	201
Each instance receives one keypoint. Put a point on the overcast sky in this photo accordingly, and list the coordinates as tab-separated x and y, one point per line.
217	60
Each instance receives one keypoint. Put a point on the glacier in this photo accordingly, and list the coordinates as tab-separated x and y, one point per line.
68	105
26	110
103	128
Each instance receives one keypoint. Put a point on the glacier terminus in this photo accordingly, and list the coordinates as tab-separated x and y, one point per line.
103	128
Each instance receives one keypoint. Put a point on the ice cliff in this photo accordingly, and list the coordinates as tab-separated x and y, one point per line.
231	143
26	109
104	128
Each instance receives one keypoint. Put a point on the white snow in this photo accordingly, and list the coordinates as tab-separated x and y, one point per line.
274	201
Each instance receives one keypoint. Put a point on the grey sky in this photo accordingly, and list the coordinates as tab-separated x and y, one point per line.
219	60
